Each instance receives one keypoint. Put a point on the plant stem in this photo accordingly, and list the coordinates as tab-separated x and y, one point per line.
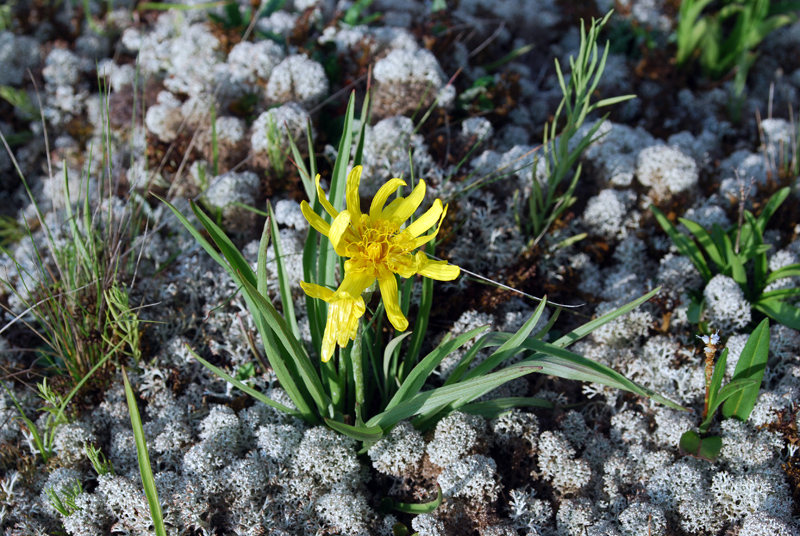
358	370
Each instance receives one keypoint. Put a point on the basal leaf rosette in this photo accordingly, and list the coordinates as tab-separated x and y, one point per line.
376	246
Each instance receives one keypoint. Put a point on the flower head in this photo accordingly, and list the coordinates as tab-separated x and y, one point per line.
377	247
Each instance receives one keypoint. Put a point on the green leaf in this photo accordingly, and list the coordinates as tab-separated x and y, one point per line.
282	368
556	361
387	505
437	398
751	365
771	207
419	374
492	408
261	397
792	270
388	353
298	356
691	444
705	240
359	433
685	246
725	393
581	332
779	311
509	348
695	311
736	267
780	294
283	279
716	378
146	471
420	324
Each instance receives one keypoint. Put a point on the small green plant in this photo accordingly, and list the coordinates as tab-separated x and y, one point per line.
99	462
732	253
724	37
548	200
77	299
354	16
18	98
55	407
64	502
372	383
737	398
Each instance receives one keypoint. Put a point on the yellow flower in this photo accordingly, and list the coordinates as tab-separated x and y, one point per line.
377	247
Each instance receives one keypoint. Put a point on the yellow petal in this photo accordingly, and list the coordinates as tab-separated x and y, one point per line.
354	284
391	208
409	204
388	285
324	200
338	229
422	240
328	339
351	194
439	270
317	291
379	201
427	220
314	219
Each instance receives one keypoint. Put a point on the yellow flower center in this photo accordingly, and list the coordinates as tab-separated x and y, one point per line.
380	243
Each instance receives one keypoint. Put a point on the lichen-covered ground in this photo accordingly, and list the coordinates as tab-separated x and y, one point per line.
604	462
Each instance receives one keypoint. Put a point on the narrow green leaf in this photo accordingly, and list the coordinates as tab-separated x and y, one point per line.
792	270
261	397
751	365
228	249
282	369
581	332
771	207
691	444
780	312
716	378
557	361
487	341
725	393
388	354
300	359
509	348
420	324
359	433
387	504
705	240
419	374
736	267
779	294
283	278
492	408
684	245
146	471
437	398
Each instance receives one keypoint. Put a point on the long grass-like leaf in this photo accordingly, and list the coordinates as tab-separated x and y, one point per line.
586	329
146	471
510	347
437	398
684	245
359	433
419	374
492	408
557	361
751	365
283	277
261	397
